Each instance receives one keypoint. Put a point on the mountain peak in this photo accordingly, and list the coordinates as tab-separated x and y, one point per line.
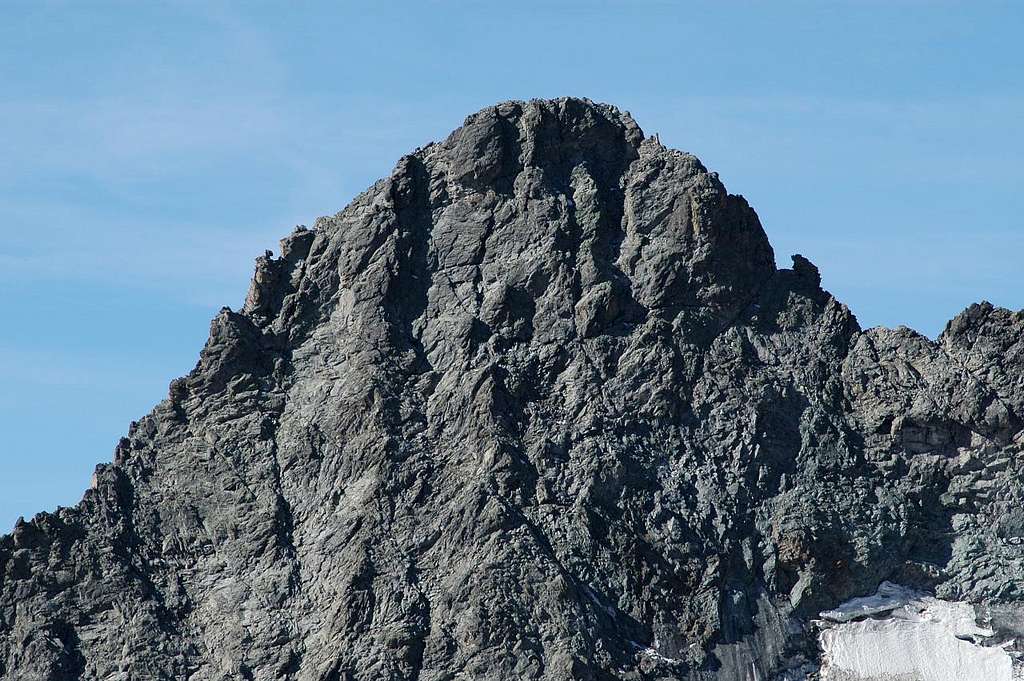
527	190
536	405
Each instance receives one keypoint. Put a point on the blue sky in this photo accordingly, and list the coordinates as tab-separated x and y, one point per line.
152	150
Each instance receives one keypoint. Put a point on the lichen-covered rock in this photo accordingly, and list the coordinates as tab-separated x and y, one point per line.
537	406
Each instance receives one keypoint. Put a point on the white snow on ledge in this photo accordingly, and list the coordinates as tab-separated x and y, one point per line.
902	635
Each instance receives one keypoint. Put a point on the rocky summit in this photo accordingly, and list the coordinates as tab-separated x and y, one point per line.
540	405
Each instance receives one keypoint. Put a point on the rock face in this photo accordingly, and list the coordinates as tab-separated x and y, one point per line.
537	406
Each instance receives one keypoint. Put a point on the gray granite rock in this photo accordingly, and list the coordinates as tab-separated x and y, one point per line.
539	405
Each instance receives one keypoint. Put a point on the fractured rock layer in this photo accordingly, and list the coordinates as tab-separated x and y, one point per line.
539	405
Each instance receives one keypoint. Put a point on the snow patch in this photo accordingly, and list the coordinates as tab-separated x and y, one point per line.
899	634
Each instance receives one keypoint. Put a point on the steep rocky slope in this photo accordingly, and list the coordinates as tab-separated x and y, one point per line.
538	405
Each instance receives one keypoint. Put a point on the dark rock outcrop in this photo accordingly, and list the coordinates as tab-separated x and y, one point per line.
538	405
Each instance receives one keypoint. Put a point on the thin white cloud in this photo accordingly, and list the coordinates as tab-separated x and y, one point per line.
27	367
945	139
